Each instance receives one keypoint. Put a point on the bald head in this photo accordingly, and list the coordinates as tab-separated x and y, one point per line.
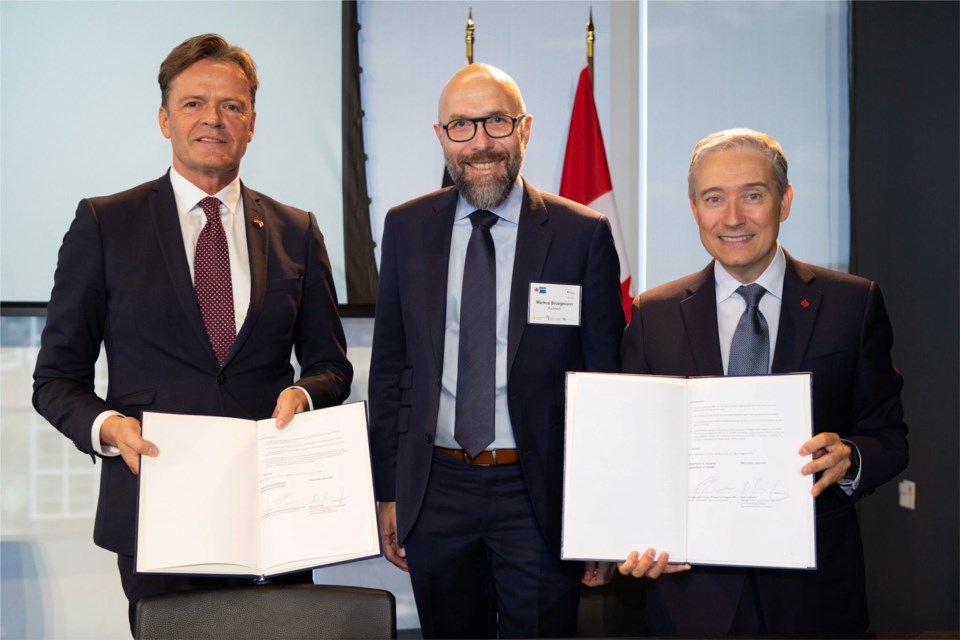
483	128
473	87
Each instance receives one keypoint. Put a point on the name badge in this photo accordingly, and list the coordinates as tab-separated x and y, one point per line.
552	303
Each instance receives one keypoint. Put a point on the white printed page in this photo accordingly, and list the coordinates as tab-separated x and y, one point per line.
316	490
749	505
625	477
197	505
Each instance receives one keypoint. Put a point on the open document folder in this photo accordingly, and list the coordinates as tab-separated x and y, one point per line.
241	497
705	469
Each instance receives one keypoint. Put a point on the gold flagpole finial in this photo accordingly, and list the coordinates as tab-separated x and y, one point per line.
590	39
470	29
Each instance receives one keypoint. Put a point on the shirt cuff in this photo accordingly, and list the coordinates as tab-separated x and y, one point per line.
309	399
105	450
847	484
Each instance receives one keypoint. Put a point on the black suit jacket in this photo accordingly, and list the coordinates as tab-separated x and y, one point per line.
834	325
123	280
557	241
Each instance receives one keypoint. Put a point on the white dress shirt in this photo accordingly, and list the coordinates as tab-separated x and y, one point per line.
192	221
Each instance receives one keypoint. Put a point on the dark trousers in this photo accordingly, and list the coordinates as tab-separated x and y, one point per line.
748	620
137	586
479	565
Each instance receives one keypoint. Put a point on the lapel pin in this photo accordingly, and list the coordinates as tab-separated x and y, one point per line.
804	303
259	223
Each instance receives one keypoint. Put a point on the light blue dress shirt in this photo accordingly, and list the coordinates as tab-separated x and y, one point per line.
730	306
504	235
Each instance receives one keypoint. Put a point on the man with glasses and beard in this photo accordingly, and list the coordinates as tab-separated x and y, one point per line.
490	291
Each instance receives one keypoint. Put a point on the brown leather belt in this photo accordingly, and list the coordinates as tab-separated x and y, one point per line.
492	458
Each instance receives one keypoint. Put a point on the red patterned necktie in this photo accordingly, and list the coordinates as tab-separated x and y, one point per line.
211	275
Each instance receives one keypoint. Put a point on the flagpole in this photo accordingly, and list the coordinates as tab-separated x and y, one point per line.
470	36
586	173
590	39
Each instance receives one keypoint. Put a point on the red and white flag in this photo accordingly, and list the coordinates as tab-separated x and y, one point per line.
586	175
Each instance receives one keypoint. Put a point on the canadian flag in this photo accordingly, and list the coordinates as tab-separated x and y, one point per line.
586	175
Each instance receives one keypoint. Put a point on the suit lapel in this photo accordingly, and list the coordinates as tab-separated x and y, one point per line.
435	232
798	314
257	243
699	312
163	211
533	244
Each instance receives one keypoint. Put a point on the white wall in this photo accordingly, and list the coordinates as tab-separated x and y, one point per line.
78	113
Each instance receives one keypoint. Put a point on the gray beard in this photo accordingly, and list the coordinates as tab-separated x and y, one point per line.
489	192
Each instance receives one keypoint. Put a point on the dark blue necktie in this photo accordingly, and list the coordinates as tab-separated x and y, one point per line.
476	370
750	349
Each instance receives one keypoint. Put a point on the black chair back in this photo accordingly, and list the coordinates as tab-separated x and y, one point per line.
269	611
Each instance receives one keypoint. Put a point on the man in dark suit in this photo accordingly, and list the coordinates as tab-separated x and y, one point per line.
199	302
829	323
470	489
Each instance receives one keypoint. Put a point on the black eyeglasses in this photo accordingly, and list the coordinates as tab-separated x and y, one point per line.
496	126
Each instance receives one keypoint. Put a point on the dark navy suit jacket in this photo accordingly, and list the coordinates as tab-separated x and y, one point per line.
831	324
123	280
557	241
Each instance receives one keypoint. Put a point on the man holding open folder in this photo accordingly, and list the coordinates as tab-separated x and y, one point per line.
199	288
756	310
489	292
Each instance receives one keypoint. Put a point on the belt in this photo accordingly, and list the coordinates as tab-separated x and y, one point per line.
486	459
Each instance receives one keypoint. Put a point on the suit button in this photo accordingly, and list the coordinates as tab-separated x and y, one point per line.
220	378
428	437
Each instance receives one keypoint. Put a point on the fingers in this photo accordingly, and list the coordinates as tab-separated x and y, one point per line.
659	566
289	402
831	475
589	572
649	565
627	566
831	458
124	433
677	568
132	448
596	574
819	442
392	550
637	565
396	554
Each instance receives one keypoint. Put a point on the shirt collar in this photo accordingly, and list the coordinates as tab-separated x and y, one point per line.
509	210
771	279
188	195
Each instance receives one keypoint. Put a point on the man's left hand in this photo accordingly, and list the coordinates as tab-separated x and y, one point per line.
289	402
830	456
596	574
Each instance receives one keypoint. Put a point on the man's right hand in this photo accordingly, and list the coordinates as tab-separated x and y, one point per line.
124	434
392	550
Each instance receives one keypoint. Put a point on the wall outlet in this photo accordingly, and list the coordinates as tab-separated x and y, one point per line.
908	494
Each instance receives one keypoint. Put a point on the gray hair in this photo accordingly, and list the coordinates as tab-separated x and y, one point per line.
740	138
